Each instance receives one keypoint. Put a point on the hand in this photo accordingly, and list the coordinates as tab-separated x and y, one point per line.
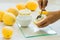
51	18
42	4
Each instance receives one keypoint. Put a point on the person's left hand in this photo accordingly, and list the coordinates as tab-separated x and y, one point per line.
51	18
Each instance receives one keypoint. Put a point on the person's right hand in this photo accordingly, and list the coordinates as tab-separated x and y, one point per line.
51	18
42	4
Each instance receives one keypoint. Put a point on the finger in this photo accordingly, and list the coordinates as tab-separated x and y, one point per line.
46	24
45	2
39	24
43	25
43	22
39	2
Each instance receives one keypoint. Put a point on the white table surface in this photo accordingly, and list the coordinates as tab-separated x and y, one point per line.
18	35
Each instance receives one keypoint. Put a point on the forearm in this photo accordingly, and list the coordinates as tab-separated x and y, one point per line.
59	13
56	13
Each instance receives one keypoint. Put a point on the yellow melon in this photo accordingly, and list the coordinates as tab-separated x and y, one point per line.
13	11
1	15
44	12
32	5
20	6
9	19
7	32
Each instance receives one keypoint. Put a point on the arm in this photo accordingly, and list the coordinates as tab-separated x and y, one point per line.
55	13
51	18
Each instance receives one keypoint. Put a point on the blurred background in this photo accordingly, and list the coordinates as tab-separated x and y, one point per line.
53	4
17	1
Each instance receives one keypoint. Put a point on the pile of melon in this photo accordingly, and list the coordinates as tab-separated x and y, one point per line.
8	17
